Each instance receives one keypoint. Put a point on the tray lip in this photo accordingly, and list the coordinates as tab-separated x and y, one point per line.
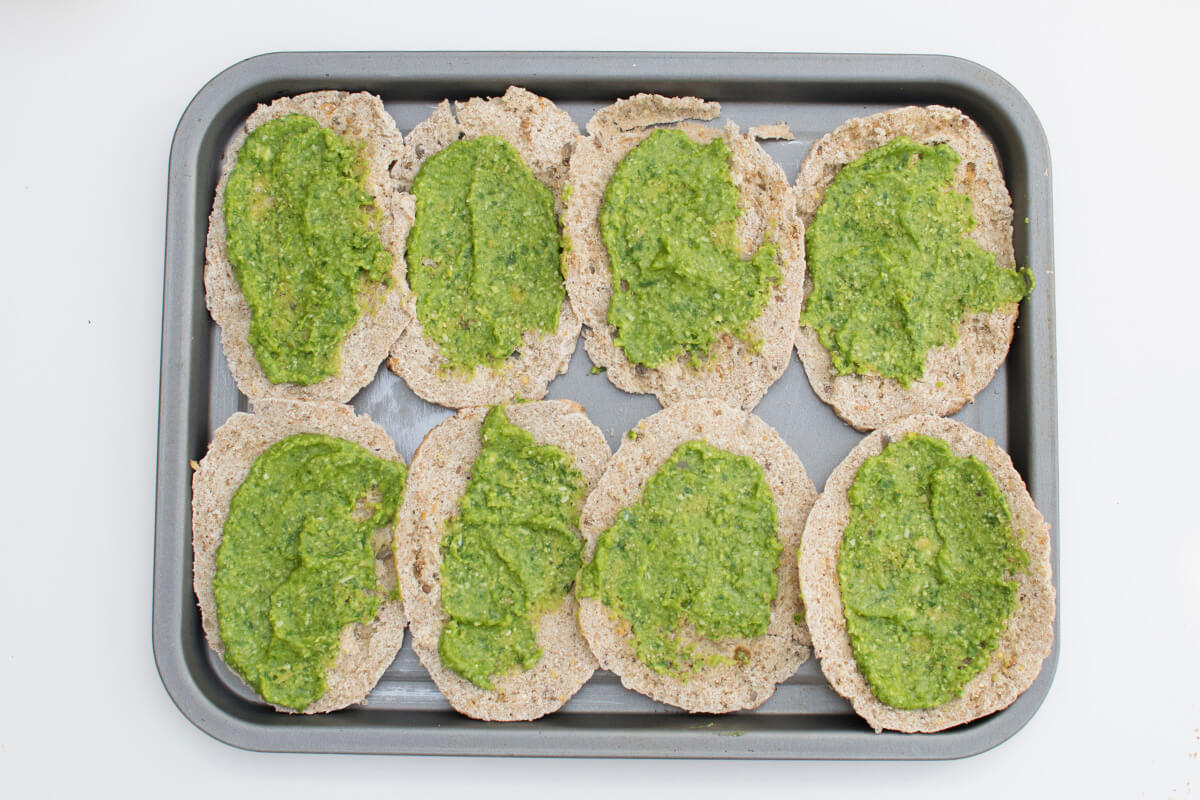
903	74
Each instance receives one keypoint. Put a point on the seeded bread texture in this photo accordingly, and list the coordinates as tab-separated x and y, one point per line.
359	118
1025	642
365	650
735	371
436	482
772	657
543	134
954	374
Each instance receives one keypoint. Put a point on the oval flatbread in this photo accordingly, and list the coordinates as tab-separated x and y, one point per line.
437	479
1023	645
768	659
954	374
359	118
366	650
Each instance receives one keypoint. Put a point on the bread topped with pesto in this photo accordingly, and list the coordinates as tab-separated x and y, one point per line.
488	546
483	183
292	514
927	578
684	253
689	592
912	285
304	259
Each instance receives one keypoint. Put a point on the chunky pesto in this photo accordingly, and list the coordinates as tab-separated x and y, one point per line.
483	254
694	558
669	223
296	562
892	268
926	571
510	554
302	233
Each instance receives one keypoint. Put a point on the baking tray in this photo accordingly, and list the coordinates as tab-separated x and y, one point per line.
813	93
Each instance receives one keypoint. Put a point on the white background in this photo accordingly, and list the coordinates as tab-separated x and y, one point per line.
91	95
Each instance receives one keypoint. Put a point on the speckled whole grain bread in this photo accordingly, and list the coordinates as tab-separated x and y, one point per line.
774	656
543	134
735	371
1023	645
366	650
440	470
360	118
955	374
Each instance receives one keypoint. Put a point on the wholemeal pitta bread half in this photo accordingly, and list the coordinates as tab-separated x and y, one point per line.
544	135
735	371
774	656
358	118
1023	645
366	650
954	374
440	470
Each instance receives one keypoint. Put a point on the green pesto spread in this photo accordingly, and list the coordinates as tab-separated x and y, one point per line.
511	553
926	571
892	268
694	557
483	254
296	562
669	223
303	239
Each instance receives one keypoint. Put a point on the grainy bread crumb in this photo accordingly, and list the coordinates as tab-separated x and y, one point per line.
1023	645
774	656
734	372
359	118
366	650
953	375
436	482
544	135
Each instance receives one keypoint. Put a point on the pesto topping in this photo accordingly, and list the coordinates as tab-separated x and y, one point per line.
925	571
892	268
303	239
296	563
511	553
694	558
669	223
483	254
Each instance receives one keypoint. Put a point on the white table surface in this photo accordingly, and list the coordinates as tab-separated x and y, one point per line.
92	93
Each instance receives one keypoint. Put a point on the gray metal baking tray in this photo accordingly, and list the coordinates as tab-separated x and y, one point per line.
405	713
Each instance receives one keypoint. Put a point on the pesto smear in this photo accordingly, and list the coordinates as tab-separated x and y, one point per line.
296	562
925	571
511	553
698	549
303	239
483	254
892	268
669	223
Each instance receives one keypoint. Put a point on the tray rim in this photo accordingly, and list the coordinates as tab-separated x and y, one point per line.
270	74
